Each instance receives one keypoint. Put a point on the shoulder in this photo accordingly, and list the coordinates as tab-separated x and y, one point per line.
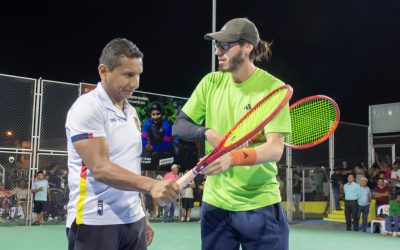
85	105
269	79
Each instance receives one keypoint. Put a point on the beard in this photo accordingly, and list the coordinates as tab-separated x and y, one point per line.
234	63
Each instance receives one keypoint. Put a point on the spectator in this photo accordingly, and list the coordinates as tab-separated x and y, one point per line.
187	201
352	194
359	172
345	170
156	135
336	186
394	214
297	186
169	209
5	203
395	177
318	178
386	168
381	193
21	192
281	187
41	190
363	203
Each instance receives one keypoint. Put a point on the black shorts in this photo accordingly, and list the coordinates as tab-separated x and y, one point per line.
187	202
130	236
39	206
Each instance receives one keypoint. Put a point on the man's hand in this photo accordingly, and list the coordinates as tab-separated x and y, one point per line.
213	137
149	233
219	165
165	191
148	147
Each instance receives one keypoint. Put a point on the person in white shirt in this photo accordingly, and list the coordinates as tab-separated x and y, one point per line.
395	177
104	148
187	201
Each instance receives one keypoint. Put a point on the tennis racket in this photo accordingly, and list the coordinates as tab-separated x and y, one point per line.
314	119
252	122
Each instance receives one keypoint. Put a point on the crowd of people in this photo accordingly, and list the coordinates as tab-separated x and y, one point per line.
358	185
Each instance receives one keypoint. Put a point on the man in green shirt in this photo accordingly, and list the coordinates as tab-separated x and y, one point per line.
394	215
241	200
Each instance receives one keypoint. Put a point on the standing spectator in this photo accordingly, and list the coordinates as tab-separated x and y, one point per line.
387	169
351	196
318	178
187	201
281	187
169	208
297	184
395	177
363	202
41	190
345	170
394	214
381	193
336	186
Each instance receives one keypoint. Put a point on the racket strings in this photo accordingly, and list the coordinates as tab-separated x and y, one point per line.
311	121
258	115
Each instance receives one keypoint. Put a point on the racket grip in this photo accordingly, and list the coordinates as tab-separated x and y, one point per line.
182	182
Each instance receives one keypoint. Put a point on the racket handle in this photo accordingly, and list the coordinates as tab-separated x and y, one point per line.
183	182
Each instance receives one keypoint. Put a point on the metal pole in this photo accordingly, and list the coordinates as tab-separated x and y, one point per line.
289	195
331	166
370	139
214	28
303	194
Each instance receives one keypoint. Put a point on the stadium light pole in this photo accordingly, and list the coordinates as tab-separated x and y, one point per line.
214	27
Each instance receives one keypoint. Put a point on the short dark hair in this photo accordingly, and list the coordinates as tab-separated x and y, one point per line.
351	174
397	194
39	172
117	48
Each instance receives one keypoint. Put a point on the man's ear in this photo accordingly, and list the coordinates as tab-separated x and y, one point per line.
102	71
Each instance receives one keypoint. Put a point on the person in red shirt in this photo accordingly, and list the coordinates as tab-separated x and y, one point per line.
381	194
169	209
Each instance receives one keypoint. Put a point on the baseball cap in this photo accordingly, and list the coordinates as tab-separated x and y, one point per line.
235	30
174	166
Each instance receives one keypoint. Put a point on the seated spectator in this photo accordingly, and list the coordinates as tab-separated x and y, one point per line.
21	192
5	203
394	215
381	193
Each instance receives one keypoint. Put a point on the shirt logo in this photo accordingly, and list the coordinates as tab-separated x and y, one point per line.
247	107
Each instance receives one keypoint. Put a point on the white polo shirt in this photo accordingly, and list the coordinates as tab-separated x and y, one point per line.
92	202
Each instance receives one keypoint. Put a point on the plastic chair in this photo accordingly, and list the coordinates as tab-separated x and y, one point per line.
384	209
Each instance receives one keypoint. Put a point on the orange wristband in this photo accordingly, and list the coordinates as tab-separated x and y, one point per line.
244	157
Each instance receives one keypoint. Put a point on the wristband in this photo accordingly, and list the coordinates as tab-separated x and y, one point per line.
244	157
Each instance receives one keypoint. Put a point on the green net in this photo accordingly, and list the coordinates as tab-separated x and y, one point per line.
311	121
258	115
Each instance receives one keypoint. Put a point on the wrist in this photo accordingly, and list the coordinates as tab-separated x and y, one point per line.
244	157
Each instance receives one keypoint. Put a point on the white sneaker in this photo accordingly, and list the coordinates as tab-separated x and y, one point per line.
385	233
394	234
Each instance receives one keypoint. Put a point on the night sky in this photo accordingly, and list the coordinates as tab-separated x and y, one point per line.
348	50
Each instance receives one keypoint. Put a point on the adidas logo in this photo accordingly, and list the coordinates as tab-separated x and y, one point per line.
247	107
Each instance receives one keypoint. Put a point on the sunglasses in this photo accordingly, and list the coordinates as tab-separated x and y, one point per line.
226	45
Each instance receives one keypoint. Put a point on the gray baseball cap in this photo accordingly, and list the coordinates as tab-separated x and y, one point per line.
236	29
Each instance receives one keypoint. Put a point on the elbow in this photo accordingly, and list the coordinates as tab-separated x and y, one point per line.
99	173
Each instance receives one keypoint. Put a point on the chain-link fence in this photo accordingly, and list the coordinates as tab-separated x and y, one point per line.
33	138
57	98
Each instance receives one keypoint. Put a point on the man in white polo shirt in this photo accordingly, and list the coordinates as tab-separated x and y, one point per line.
104	148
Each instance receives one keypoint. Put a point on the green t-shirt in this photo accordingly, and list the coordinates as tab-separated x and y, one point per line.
394	208
222	102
